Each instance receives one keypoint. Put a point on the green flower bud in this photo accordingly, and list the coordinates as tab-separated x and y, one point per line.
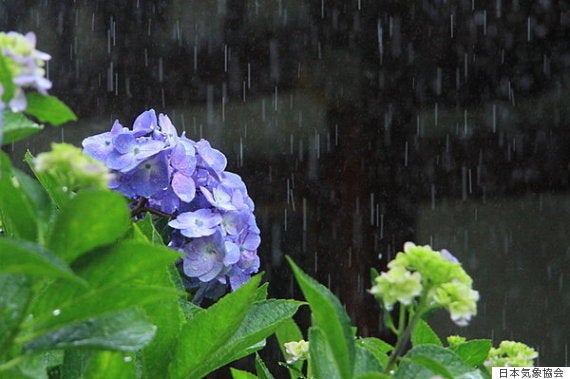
398	284
296	351
453	341
511	354
72	169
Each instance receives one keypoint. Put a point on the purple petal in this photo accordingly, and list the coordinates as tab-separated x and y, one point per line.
232	253
184	187
211	158
144	123
200	223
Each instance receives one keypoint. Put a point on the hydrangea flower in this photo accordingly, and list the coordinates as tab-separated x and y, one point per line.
211	212
511	354
26	66
297	351
72	167
437	275
397	285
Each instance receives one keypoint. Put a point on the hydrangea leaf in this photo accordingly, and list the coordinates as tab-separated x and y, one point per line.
376	347
16	126
90	364
27	258
289	331
57	313
425	361
365	361
261	369
168	316
127	330
473	352
16	292
89	220
48	109
126	261
329	315
199	342
240	374
424	334
323	362
263	318
16	208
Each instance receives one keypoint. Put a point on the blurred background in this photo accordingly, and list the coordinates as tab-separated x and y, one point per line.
357	125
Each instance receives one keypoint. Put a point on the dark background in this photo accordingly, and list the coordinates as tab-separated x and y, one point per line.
356	125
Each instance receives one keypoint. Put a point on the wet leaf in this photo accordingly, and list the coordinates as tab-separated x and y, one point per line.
89	220
48	109
15	293
424	334
16	208
27	258
16	126
330	316
196	352
127	330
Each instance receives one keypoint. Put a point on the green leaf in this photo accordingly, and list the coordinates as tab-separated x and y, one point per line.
56	313
374	375
39	198
89	220
425	361
48	109
6	79
16	209
168	316
473	352
209	330
146	227
376	347
424	334
54	189
37	366
288	331
27	258
16	126
127	261
262	292
322	363
98	364
240	374
15	293
332	319
261	369
128	330
262	319
365	361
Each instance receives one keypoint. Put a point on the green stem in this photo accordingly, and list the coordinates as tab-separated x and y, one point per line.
404	335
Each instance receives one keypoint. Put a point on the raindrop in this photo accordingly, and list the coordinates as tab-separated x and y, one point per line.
127	359
64	189
56	312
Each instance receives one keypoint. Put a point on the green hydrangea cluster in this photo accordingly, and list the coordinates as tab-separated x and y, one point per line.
437	277
511	354
71	168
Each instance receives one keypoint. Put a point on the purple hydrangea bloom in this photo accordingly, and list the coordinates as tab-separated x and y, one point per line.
211	212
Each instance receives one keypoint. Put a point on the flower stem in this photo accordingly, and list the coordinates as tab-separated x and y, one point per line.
404	333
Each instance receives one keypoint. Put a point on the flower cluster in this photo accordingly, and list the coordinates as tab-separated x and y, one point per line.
437	276
72	168
213	221
511	354
25	65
